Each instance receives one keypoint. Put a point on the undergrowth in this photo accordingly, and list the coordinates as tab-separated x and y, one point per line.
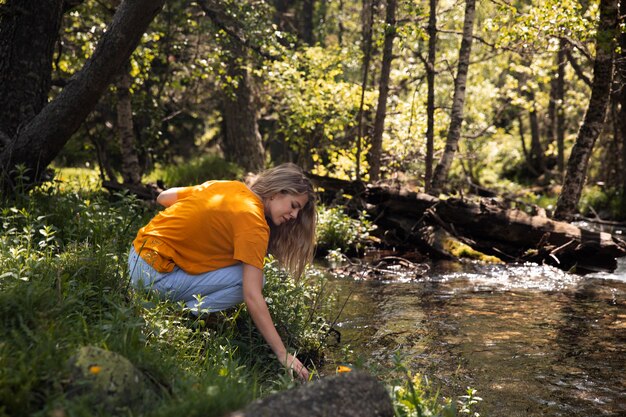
64	285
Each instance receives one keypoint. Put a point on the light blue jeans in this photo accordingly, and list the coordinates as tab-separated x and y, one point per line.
211	291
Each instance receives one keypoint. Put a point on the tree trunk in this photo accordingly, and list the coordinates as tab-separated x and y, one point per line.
131	173
29	30
367	18
621	70
308	9
595	115
560	112
242	140
383	92
40	140
458	101
430	99
536	150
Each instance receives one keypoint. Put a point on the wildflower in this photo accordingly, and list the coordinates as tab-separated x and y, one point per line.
95	369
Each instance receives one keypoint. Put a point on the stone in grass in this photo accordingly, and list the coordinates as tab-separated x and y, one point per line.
108	380
353	394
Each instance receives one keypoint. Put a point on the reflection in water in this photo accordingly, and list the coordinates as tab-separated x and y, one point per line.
533	340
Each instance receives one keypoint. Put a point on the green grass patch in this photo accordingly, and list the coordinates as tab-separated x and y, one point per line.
64	285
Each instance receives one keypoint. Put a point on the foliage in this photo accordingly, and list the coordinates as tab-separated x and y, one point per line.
196	171
604	202
64	285
316	107
413	396
337	230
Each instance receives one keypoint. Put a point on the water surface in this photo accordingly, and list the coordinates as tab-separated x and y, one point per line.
533	340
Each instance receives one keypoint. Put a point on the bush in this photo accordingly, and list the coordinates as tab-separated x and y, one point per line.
338	231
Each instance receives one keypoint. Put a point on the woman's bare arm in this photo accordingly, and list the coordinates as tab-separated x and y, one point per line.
168	197
257	307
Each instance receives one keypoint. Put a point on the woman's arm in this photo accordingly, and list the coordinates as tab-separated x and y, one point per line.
168	197
257	307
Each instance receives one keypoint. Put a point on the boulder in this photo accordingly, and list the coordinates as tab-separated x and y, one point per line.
108	380
353	394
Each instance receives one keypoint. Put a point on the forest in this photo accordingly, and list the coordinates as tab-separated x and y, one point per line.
441	136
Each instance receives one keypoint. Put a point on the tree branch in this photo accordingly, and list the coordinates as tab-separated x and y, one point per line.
218	18
577	68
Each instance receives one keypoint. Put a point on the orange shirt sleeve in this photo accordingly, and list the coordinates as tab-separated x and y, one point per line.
251	247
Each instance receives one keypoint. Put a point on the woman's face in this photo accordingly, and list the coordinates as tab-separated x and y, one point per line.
281	208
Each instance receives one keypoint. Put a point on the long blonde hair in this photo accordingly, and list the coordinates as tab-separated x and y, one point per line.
292	243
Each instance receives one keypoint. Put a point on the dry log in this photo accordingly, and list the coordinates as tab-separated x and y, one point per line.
510	234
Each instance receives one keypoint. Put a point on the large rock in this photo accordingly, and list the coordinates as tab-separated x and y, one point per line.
108	380
353	394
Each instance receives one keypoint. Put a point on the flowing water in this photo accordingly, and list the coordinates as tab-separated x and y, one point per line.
533	340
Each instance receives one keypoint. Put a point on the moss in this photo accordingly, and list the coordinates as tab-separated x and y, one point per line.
461	250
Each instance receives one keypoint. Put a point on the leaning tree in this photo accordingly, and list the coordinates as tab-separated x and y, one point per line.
33	130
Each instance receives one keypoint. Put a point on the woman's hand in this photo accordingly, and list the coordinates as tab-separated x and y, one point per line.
291	362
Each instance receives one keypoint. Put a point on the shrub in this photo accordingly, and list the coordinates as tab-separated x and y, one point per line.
337	230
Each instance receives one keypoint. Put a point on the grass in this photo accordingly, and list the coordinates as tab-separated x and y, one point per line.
64	284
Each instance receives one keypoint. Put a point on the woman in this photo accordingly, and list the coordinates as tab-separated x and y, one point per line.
207	247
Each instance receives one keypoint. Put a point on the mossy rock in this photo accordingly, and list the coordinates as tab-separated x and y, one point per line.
108	380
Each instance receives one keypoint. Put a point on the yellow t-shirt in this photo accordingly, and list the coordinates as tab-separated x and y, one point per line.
211	226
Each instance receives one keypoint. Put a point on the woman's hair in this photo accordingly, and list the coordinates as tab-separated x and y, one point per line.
293	242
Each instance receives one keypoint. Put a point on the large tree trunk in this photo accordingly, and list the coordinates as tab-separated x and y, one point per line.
595	115
430	98
383	92
40	140
131	173
458	100
29	30
242	140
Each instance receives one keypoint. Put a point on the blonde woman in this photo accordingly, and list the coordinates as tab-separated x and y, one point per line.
208	246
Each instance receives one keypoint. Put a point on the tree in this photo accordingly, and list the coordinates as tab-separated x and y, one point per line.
621	71
430	100
44	133
26	60
242	141
458	100
131	173
383	91
593	122
369	7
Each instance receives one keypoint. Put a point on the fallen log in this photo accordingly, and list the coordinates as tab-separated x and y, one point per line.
407	218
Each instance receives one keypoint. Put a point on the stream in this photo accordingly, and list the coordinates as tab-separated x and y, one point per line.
532	340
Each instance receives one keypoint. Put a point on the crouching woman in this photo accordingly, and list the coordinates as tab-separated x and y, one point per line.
208	246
